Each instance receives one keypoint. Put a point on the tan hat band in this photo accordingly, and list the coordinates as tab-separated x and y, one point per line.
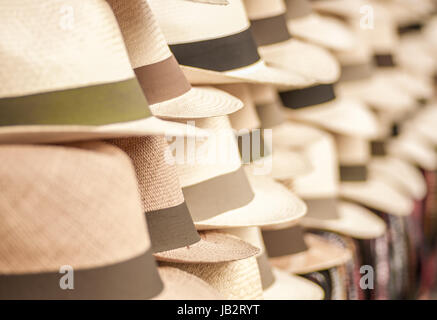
163	80
136	278
221	54
298	8
284	242
270	115
171	228
212	197
378	148
94	105
265	271
356	72
353	173
323	209
384	60
252	147
410	28
301	98
270	30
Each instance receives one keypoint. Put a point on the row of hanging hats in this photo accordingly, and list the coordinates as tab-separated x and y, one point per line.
217	149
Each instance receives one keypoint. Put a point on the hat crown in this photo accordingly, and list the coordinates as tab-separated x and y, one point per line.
75	205
54	45
352	150
187	21
259	9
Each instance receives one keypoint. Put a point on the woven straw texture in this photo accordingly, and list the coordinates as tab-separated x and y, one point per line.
76	205
44	45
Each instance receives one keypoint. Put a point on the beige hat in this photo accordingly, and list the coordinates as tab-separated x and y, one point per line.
362	184
423	123
167	90
214	44
278	48
74	81
172	232
89	222
293	251
310	26
276	284
220	193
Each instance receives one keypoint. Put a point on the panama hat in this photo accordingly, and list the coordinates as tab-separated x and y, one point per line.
423	123
214	44
362	184
293	251
89	222
310	26
172	232
167	90
220	193
60	95
278	48
276	284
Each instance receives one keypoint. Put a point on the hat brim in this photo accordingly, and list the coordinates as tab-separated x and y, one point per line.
377	194
353	221
273	206
258	72
324	31
321	255
225	247
402	174
198	102
67	133
181	285
292	287
346	116
306	59
288	164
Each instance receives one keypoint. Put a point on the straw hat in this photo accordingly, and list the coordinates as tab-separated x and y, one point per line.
172	232
166	88
276	284
278	48
362	184
214	44
423	123
325	31
89	221
220	193
71	96
293	251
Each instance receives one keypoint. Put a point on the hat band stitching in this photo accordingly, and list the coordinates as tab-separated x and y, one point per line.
221	54
136	278
270	30
93	105
284	242
301	98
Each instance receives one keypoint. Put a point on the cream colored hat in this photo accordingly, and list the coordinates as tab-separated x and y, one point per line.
168	91
276	284
89	222
293	251
214	44
325	31
172	232
278	48
423	123
362	184
220	193
74	81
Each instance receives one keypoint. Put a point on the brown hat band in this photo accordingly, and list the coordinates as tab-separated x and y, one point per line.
410	28
171	228
284	242
306	97
323	208
212	197
356	72
353	173
221	54
163	80
298	8
378	148
252	147
93	105
136	278
270	30
270	115
384	60
265	271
